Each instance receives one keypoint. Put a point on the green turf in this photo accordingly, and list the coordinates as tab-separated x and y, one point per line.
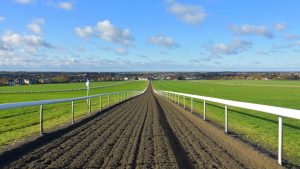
19	124
257	127
61	86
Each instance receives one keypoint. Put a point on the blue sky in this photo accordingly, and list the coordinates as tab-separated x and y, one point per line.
159	35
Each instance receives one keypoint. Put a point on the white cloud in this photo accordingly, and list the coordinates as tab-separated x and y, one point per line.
162	41
2	18
190	14
280	26
35	26
121	51
11	41
65	5
260	52
24	1
23	50
106	31
252	30
109	32
200	60
142	56
84	32
283	46
292	37
234	47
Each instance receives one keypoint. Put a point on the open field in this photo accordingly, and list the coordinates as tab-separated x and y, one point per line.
256	127
144	132
18	124
58	86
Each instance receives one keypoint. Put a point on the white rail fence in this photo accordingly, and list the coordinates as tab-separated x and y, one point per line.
62	90
119	96
279	111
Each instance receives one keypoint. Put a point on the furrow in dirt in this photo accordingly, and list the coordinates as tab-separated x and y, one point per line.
147	131
205	154
111	148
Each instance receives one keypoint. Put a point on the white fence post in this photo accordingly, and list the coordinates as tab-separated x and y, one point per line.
204	110
178	100
280	140
191	104
41	120
90	105
72	112
184	102
226	119
113	96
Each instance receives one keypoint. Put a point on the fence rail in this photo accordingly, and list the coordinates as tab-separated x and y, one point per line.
279	111
121	96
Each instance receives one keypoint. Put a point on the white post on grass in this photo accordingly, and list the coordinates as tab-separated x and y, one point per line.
204	110
183	101
226	119
87	84
178	100
191	104
90	106
41	120
280	141
72	112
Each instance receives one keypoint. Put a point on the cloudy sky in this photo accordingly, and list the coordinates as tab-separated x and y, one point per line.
143	35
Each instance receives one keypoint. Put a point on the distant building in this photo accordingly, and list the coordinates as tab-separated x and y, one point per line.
44	80
190	78
19	82
29	81
125	78
11	82
143	78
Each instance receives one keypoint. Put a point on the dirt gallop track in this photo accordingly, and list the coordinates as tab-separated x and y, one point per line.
145	132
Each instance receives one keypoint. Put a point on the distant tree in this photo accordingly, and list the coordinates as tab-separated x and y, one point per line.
180	77
3	81
60	79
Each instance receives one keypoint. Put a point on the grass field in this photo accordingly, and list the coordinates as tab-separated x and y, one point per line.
61	86
19	124
256	127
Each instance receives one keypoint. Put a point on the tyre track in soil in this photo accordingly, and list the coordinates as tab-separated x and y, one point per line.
144	132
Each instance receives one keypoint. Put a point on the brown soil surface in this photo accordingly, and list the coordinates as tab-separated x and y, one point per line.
147	131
